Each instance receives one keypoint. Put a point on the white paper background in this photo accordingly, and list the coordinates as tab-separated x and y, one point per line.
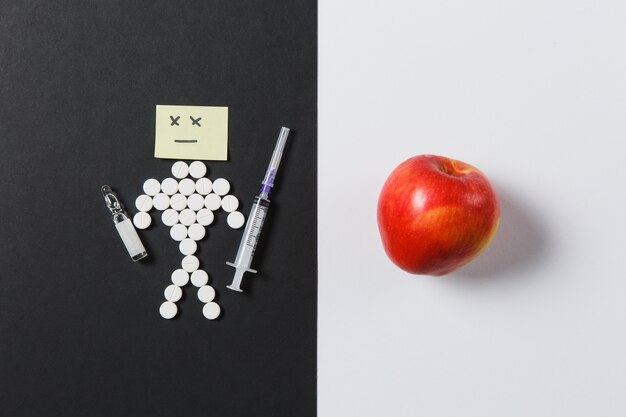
534	94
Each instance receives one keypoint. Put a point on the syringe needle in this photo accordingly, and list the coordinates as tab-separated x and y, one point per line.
270	174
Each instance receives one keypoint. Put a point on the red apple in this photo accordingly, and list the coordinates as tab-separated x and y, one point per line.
435	214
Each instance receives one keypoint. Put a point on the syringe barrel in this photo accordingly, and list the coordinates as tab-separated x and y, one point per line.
270	174
252	232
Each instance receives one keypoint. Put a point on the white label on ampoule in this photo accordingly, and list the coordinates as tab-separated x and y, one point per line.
130	238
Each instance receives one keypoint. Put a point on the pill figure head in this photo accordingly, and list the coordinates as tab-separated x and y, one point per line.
191	132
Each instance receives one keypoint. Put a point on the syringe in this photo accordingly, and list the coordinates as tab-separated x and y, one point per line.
257	216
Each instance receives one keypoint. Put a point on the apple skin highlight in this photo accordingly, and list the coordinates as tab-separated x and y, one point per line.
436	214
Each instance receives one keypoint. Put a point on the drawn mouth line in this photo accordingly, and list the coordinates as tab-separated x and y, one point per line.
185	140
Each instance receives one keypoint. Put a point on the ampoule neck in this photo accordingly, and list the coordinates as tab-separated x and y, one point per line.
119	217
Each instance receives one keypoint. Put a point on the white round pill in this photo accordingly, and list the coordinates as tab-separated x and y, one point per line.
186	186
169	186
199	278
180	277
235	220
196	231
169	217
161	201
221	186
143	203
206	294
152	187
204	186
187	246
211	310
173	293
178	232
229	203
205	217
168	310
190	263
142	220
187	217
180	169
197	169
195	202
178	202
213	201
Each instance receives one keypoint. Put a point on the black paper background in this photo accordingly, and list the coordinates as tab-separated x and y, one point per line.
80	332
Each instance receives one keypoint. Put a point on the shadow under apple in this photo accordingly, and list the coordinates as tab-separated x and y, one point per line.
520	243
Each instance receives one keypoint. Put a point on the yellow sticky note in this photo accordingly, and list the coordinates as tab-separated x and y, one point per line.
191	132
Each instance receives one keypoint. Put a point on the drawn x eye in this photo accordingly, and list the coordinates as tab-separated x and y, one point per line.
174	120
195	121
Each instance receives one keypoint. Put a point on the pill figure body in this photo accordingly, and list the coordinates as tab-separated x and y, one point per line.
189	202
